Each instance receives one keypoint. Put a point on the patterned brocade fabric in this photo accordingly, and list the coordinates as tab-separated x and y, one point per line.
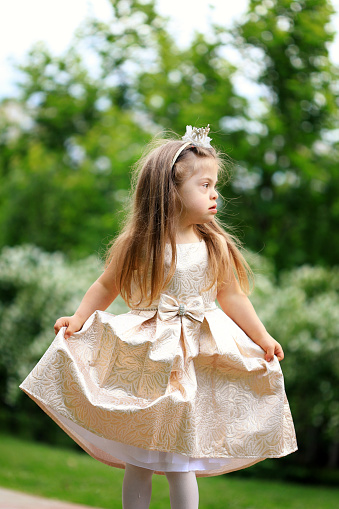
175	387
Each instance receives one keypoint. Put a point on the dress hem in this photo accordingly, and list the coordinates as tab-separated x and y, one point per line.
115	462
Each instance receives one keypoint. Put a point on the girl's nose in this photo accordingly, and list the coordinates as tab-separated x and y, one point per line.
215	194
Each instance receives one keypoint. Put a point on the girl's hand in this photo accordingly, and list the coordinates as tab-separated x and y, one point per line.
73	324
271	347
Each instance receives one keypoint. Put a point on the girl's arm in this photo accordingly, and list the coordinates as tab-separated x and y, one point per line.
235	303
99	296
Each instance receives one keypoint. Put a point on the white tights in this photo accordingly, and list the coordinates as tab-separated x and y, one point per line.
137	489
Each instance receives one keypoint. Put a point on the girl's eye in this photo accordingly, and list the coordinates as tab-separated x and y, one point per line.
215	187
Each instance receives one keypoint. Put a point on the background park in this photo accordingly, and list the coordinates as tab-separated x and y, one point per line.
68	139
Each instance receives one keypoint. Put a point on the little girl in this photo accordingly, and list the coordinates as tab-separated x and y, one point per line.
176	386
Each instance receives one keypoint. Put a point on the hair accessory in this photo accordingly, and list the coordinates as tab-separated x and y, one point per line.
198	136
194	136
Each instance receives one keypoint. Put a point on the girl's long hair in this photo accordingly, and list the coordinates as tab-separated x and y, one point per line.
137	254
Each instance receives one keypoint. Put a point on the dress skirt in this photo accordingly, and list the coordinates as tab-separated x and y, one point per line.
177	386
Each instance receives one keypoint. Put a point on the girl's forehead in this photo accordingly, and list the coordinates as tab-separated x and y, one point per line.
206	165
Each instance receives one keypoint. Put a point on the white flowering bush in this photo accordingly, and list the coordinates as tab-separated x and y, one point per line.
301	311
35	289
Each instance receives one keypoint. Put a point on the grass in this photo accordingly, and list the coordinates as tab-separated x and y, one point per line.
76	477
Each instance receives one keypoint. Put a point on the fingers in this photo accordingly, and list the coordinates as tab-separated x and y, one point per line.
269	354
64	321
275	349
72	323
69	331
279	352
61	322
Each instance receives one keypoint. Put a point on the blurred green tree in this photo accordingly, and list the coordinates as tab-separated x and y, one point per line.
64	171
64	158
291	203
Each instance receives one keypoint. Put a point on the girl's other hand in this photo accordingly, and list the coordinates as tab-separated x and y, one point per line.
72	324
271	347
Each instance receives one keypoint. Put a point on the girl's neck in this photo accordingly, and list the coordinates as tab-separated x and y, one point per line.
185	239
186	235
188	240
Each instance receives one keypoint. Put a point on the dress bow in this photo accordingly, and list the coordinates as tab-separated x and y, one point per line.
169	308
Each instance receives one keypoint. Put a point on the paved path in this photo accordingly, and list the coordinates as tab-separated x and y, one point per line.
15	500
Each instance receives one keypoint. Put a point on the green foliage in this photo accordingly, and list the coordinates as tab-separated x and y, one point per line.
64	166
294	155
70	200
287	162
68	141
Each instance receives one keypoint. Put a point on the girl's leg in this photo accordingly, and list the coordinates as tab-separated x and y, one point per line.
184	492
136	487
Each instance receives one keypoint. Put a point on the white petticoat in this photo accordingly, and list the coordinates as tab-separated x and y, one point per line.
153	460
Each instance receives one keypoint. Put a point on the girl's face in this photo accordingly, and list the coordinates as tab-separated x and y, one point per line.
199	194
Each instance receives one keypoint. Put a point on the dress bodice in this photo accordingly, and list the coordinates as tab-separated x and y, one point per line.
190	276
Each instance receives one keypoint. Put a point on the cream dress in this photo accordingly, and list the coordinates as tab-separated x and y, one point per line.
174	387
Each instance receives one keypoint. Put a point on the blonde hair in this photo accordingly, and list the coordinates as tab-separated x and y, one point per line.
137	254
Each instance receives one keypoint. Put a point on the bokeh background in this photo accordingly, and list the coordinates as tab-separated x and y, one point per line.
75	114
